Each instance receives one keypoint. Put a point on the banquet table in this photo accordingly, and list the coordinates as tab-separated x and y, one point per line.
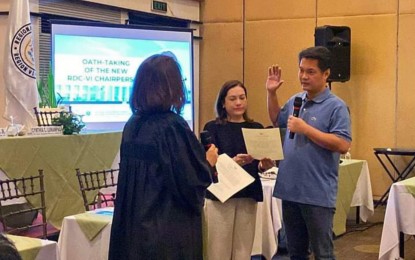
399	217
268	222
77	242
74	243
354	190
35	249
58	156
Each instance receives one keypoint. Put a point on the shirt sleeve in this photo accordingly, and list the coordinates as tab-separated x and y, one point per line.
283	116
340	123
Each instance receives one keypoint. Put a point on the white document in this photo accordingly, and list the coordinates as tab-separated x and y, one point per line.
263	143
232	178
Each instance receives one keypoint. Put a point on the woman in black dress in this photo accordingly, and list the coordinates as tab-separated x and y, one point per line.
231	225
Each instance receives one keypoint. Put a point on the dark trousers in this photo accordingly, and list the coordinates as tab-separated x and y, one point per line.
308	225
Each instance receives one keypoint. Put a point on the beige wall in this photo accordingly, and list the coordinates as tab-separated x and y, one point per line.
241	38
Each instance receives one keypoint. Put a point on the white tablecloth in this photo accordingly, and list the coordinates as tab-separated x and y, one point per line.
47	251
74	245
399	217
268	222
362	197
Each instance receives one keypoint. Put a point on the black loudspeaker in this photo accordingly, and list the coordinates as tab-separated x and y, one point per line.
337	40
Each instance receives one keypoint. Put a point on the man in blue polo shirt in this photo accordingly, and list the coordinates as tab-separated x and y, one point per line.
307	177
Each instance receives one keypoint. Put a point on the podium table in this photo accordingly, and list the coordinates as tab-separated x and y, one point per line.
392	170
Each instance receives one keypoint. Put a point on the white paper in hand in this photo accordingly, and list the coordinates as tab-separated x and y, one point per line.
263	143
232	178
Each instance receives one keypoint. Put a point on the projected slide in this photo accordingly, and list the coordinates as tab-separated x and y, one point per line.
94	68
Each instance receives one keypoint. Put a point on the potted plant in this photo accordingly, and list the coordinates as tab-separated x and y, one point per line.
71	123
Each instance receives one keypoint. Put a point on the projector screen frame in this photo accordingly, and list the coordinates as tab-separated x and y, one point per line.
190	74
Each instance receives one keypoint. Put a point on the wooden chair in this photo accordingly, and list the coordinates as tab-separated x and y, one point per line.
44	117
17	219
91	184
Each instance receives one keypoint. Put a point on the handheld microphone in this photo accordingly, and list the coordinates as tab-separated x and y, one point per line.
298	101
206	140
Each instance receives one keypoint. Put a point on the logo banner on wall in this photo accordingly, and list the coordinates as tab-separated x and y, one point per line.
19	66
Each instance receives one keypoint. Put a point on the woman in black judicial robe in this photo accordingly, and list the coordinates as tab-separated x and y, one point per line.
163	172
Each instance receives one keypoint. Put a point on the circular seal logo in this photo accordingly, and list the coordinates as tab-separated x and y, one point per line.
22	51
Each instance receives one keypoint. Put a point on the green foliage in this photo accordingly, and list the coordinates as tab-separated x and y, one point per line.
51	88
71	123
43	94
46	90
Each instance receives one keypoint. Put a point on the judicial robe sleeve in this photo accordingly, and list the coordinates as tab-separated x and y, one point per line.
188	170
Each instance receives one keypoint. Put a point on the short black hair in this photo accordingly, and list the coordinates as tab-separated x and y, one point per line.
319	53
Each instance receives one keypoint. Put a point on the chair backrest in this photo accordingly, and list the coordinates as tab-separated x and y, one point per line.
91	184
44	117
18	218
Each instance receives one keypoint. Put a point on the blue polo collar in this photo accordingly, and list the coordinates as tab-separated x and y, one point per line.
319	98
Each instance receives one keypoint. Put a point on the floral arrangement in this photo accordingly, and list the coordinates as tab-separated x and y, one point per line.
71	123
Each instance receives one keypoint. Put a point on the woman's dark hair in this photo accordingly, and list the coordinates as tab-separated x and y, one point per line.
7	249
221	114
158	86
319	53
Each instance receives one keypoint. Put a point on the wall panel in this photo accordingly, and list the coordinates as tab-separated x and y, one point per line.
221	11
280	45
279	9
405	116
330	8
406	82
406	6
221	56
